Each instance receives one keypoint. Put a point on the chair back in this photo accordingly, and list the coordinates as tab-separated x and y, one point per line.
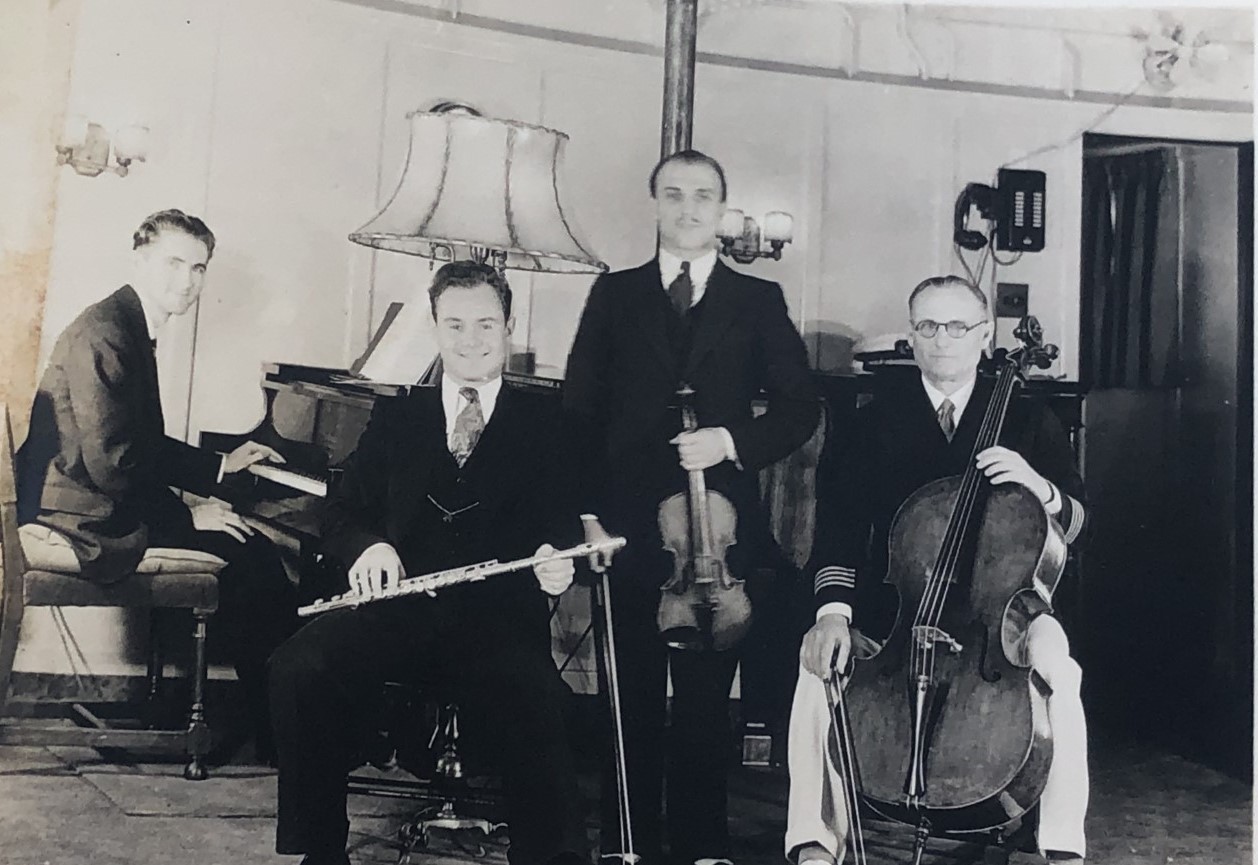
12	562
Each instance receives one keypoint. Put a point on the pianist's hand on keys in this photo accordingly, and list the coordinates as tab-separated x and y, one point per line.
248	454
213	515
376	568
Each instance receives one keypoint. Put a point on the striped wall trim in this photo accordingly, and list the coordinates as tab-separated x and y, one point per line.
1076	520
834	577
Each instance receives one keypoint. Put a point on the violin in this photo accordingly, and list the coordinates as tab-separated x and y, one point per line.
702	606
948	724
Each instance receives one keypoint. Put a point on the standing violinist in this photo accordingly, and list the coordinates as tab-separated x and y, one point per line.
681	317
905	438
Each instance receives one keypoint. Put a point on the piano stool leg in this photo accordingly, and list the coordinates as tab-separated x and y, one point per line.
156	660
198	730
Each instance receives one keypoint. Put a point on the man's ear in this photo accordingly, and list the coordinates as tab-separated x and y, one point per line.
510	325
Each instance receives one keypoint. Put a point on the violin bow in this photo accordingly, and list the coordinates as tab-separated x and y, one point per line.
843	758
607	648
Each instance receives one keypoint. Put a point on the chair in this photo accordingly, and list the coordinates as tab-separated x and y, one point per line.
38	569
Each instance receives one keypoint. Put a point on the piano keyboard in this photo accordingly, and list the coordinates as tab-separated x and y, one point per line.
294	480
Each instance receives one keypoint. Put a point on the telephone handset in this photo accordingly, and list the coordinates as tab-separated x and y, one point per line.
1015	205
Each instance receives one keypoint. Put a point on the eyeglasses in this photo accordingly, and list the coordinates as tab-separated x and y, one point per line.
954	329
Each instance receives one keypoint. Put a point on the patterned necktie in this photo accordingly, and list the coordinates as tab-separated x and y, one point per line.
682	290
467	426
947	419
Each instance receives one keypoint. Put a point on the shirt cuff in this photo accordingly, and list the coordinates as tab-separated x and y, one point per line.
731	452
1053	505
838	607
222	469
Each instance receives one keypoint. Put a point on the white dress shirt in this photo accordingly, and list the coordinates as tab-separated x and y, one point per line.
960	397
700	270
453	402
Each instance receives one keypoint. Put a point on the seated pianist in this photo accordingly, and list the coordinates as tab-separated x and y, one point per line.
97	467
441	477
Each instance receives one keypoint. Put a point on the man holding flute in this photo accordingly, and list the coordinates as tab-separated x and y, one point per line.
443	476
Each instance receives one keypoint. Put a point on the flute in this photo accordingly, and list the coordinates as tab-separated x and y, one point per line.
431	583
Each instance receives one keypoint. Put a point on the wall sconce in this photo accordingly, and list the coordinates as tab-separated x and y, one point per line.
85	147
741	237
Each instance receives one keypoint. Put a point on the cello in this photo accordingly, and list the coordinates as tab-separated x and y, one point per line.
702	606
948	723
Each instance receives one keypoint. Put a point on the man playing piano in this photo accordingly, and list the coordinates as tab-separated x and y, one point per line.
442	476
97	466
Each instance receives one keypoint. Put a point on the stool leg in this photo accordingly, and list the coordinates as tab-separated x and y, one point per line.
156	661
198	730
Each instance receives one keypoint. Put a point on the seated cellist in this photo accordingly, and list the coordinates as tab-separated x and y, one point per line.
904	439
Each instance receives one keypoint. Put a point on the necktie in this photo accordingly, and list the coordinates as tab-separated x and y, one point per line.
947	419
467	426
682	290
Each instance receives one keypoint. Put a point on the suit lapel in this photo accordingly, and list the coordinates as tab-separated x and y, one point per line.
975	410
651	313
720	310
421	441
138	331
496	437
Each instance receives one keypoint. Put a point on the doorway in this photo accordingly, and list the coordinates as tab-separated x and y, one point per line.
1164	631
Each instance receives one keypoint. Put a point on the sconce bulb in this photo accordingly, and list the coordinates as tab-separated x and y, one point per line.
731	224
131	143
778	225
74	131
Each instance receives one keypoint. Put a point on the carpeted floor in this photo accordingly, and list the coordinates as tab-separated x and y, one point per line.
68	806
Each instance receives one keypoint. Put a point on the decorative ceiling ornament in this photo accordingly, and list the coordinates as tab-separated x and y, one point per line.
1175	55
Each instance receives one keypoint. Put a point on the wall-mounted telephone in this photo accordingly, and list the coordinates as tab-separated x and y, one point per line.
1020	225
1016	206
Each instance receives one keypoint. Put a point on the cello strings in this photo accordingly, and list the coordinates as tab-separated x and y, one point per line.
930	609
968	497
987	438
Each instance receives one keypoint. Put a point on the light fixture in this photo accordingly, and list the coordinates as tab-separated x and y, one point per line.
742	238
85	147
1174	55
482	188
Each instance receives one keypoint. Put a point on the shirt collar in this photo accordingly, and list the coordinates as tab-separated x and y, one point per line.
700	269
150	317
453	402
960	397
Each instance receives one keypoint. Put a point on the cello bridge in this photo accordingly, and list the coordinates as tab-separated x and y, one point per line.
926	635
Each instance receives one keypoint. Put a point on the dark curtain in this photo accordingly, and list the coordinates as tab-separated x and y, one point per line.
1130	270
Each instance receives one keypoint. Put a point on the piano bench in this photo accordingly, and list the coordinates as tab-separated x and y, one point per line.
39	569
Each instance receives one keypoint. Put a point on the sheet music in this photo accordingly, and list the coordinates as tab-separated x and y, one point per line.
406	348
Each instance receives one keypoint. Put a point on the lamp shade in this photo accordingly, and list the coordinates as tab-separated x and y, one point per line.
478	186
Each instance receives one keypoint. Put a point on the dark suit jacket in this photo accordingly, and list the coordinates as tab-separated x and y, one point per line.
516	473
896	446
97	465
621	383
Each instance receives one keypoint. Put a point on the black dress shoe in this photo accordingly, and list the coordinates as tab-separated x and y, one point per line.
341	858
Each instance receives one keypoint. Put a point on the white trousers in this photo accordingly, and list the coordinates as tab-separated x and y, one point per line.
814	816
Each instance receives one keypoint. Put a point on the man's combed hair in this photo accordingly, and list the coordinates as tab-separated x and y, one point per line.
950	281
176	220
469	274
688	157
